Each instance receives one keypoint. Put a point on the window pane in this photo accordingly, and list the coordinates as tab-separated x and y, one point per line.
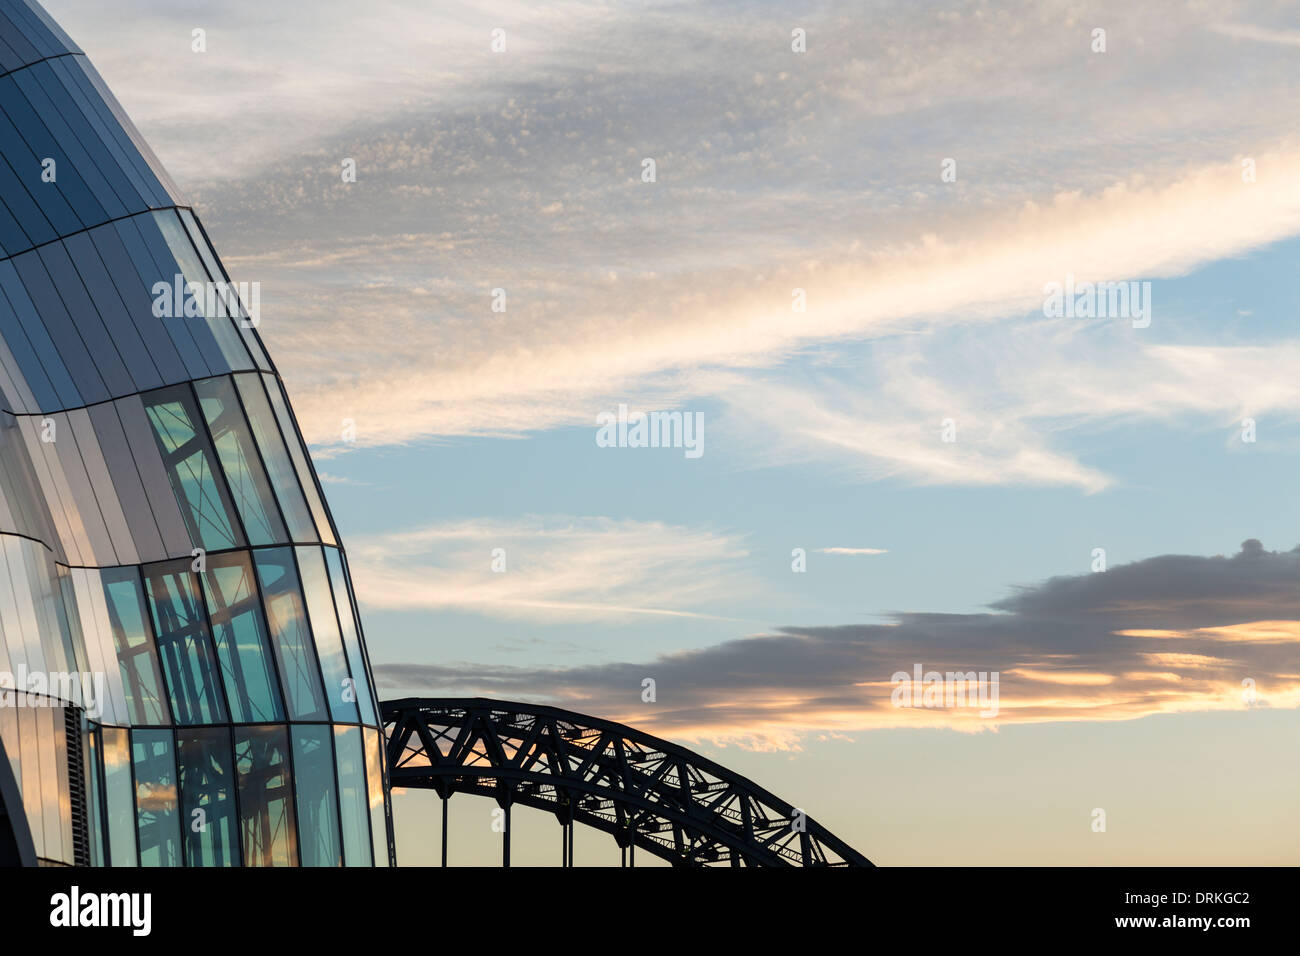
207	797
223	329
242	643
155	798
288	622
340	690
351	638
375	780
239	460
188	458
94	796
246	330
352	795
183	643
278	465
318	818
141	680
265	797
303	466
118	797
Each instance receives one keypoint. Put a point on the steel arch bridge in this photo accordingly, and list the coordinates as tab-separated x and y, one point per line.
646	792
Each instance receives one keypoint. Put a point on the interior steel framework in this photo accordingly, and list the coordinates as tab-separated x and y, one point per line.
647	792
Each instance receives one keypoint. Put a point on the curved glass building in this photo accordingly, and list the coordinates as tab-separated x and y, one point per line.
183	677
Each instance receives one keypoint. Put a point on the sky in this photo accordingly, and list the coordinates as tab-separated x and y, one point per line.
841	271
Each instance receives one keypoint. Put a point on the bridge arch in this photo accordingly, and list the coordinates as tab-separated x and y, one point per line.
646	792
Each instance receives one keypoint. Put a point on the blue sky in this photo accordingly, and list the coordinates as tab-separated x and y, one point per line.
1169	158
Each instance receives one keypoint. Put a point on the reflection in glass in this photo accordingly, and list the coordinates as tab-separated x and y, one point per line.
239	632
288	622
352	795
339	688
223	329
318	818
278	466
94	796
157	820
207	797
265	797
303	466
119	801
375	780
183	643
351	637
239	460
188	458
141	679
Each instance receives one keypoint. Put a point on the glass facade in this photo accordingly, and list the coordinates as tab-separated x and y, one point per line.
183	673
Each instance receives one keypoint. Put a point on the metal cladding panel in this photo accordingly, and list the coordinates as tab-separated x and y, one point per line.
28	34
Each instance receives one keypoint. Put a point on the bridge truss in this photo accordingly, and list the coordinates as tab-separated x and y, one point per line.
648	793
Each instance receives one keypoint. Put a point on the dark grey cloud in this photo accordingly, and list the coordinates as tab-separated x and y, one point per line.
1170	633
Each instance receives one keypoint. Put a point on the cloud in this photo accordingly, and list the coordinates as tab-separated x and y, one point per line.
328	479
1169	634
777	171
1247	31
552	568
1014	392
562	353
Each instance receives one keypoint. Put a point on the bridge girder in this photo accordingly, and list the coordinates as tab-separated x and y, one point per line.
646	792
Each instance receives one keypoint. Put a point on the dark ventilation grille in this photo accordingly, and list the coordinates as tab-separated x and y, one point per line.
77	786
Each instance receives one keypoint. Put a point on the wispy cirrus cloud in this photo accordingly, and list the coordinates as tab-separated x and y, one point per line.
552	568
1280	36
1012	393
777	171
1169	634
672	342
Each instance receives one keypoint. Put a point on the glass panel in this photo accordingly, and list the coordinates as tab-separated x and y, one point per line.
265	797
188	458
318	818
183	643
29	744
242	643
118	797
288	623
239	460
340	690
223	329
375	781
351	637
276	457
94	796
306	477
141	679
157	818
246	327
52	773
55	106
74	644
193	349
207	797
352	795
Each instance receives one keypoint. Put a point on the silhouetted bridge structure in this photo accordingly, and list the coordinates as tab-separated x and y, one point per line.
648	793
